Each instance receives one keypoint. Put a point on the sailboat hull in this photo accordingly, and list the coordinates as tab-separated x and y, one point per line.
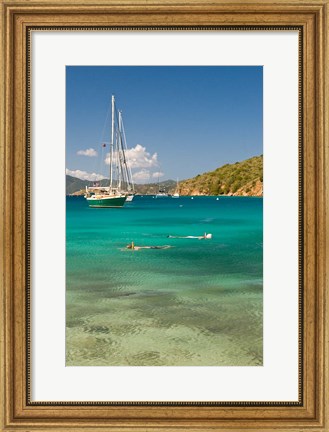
106	202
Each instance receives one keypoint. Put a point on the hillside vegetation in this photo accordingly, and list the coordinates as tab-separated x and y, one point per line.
76	186
242	178
153	188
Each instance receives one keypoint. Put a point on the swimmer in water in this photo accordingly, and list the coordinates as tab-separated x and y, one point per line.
133	247
204	236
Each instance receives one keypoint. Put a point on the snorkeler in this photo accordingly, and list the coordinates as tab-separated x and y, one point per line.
133	247
204	236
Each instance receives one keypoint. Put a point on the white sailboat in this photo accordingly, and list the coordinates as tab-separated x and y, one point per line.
176	194
120	186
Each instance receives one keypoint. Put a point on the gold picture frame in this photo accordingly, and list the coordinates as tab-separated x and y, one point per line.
311	412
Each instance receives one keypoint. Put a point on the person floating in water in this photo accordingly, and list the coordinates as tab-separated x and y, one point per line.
204	236
132	246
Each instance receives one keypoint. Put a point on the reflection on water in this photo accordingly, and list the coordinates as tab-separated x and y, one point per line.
198	303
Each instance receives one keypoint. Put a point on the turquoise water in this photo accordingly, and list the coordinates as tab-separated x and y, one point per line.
197	303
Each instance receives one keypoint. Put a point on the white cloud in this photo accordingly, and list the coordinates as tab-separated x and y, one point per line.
140	161
138	157
83	175
89	152
157	174
142	175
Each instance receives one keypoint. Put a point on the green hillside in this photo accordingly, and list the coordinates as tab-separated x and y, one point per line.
153	188
77	187
74	184
242	178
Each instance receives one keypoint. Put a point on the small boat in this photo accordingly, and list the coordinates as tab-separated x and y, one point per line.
161	192
120	188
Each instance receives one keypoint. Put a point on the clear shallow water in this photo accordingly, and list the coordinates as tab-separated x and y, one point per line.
198	303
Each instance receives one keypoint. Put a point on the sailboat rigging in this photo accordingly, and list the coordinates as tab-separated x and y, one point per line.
121	187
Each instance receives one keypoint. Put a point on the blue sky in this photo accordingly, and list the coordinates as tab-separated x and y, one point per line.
179	121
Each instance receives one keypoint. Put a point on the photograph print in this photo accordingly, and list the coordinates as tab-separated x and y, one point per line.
164	216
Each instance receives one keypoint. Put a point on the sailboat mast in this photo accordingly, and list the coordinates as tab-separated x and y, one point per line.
120	150
118	155
112	143
126	167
